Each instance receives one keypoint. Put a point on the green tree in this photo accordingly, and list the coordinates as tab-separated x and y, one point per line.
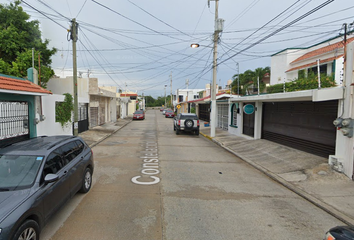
18	36
247	79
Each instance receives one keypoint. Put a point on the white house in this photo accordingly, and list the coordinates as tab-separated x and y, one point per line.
328	56
304	119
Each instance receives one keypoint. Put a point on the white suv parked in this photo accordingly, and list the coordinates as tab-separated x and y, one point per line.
186	122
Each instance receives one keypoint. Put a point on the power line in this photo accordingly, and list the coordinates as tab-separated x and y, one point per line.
43	14
142	25
54	10
280	29
159	19
266	24
81	8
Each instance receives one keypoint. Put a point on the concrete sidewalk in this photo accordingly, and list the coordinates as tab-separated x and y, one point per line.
307	175
97	134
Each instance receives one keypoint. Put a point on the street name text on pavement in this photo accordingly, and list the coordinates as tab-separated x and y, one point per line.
150	162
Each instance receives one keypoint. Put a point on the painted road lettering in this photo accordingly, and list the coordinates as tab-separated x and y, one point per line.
150	162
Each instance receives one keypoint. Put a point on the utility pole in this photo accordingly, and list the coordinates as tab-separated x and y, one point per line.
171	90
165	95
238	79
73	37
143	103
217	29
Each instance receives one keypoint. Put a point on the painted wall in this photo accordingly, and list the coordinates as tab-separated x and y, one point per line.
65	85
131	107
49	127
281	63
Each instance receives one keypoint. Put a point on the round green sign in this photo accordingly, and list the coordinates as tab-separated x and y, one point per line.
248	109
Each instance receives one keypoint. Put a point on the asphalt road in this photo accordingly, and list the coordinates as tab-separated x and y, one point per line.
152	184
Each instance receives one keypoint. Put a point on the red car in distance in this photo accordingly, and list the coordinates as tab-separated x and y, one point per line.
139	115
169	113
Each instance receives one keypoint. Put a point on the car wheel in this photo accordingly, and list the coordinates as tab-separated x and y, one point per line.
188	123
174	128
177	131
29	230
197	132
86	181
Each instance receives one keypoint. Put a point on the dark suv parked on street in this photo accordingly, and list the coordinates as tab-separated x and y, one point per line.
188	122
37	177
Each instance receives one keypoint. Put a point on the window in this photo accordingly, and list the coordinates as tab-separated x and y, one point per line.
323	69
80	147
69	152
54	163
180	98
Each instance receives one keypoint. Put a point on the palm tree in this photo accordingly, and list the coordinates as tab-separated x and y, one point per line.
248	79
259	75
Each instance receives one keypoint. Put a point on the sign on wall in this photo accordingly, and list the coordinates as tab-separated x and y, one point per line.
248	109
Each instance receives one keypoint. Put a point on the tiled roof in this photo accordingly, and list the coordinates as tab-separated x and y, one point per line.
12	84
314	63
326	49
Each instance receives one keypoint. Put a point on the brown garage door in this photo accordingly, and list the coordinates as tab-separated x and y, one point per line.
307	126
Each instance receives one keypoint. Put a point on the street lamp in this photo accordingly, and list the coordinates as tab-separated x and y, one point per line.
217	29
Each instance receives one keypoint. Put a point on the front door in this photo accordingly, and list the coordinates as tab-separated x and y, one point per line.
248	123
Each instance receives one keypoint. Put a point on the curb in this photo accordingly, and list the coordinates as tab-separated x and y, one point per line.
206	136
108	135
317	202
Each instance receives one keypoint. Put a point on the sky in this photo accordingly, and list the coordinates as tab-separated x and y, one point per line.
140	45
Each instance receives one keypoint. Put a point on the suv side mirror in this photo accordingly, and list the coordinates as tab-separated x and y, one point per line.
49	178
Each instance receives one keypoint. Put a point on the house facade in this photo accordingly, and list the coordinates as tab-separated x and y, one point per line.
327	57
97	105
21	108
131	98
304	119
183	98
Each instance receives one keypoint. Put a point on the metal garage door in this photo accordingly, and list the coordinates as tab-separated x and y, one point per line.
307	126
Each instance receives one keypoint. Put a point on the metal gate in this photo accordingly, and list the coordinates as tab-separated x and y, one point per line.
223	116
204	113
83	118
306	126
14	125
248	123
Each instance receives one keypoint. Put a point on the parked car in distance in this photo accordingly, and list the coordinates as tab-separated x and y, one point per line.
161	109
169	113
139	114
166	109
187	122
37	177
340	233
